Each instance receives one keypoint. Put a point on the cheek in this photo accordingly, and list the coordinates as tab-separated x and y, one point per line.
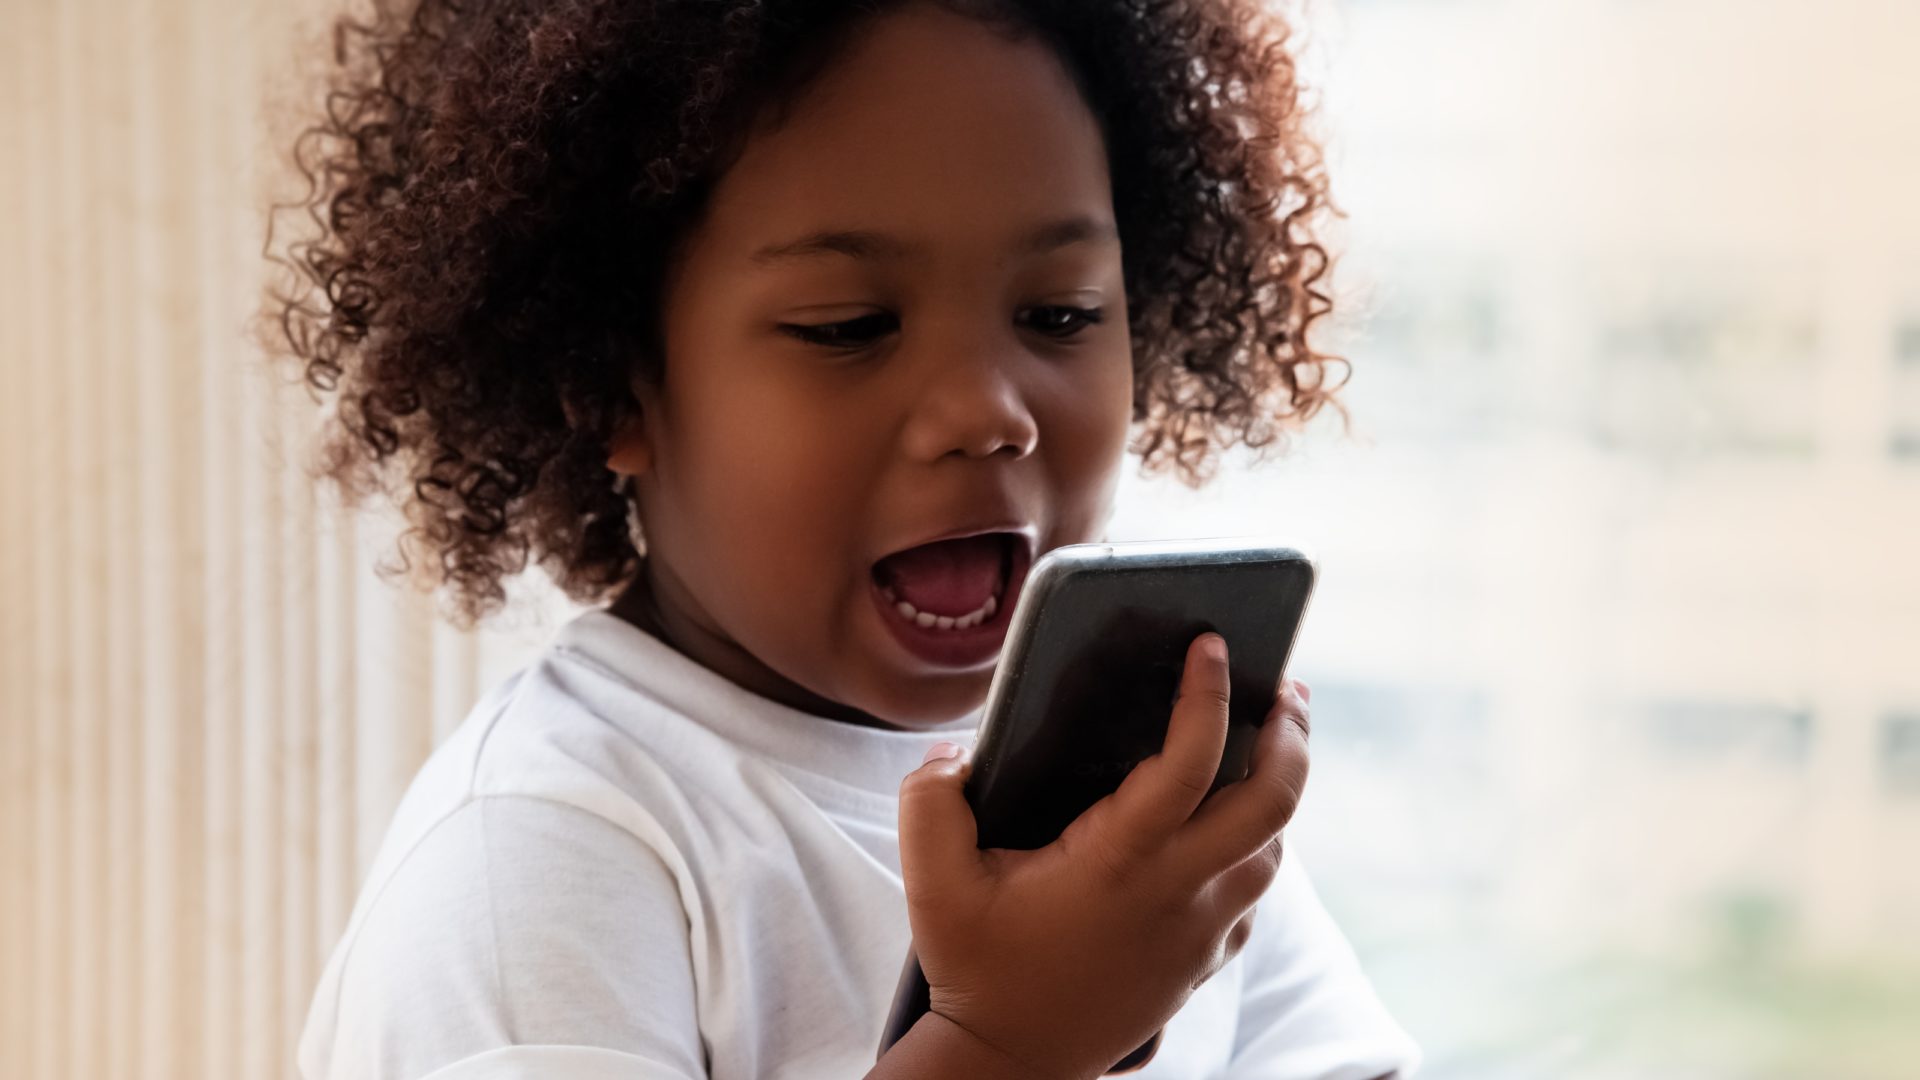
775	484
1086	436
1118	415
1089	422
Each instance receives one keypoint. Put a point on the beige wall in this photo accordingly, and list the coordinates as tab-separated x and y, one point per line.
208	704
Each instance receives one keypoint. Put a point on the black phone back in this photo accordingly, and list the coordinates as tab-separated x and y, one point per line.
1087	680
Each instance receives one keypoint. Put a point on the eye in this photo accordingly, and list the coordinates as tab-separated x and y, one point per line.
851	334
1077	319
1060	322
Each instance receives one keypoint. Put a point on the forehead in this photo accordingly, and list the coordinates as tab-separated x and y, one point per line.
932	134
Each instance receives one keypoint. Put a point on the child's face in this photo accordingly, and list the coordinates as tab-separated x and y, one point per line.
773	473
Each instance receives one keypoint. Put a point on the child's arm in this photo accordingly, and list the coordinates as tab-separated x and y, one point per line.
936	1049
1307	1009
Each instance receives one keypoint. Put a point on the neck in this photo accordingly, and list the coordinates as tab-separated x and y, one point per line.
658	604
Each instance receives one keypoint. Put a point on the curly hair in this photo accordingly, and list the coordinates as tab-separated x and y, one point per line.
497	189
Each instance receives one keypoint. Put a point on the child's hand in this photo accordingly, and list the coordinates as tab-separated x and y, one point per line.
1068	957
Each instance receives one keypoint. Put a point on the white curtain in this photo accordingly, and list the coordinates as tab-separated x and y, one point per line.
209	703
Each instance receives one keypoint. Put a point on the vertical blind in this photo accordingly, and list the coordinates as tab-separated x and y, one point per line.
210	702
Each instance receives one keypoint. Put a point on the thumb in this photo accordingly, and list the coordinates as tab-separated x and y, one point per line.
939	840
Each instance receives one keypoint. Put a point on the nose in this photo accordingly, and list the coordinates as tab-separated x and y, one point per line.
973	406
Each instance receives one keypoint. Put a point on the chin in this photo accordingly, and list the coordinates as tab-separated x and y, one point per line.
926	702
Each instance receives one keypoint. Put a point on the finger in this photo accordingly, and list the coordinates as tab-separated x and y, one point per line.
939	838
1241	887
1236	939
1160	793
1243	816
1242	930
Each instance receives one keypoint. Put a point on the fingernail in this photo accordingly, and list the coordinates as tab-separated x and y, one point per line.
1215	647
1305	691
941	750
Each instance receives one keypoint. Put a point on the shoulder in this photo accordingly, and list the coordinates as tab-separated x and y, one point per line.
535	891
505	870
574	730
513	920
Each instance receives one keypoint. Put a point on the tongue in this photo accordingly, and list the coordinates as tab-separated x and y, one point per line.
951	577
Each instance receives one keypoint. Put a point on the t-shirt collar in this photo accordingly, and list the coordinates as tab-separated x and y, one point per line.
868	758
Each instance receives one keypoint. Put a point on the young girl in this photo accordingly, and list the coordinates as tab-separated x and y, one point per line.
792	331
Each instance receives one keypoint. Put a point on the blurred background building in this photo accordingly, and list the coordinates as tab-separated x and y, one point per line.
1616	654
1616	651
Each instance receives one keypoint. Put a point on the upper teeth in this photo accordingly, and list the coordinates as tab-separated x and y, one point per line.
946	622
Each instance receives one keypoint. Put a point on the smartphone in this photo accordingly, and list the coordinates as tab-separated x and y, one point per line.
1086	683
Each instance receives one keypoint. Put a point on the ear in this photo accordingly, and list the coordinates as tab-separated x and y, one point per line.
628	451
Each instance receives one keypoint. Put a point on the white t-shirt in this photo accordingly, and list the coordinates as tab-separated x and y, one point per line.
622	864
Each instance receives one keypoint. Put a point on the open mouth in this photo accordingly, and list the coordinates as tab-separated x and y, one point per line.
949	602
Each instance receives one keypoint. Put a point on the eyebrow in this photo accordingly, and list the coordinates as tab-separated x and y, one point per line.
869	245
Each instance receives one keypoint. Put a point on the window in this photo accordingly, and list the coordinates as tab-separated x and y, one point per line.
1716	365
1900	752
1903	402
